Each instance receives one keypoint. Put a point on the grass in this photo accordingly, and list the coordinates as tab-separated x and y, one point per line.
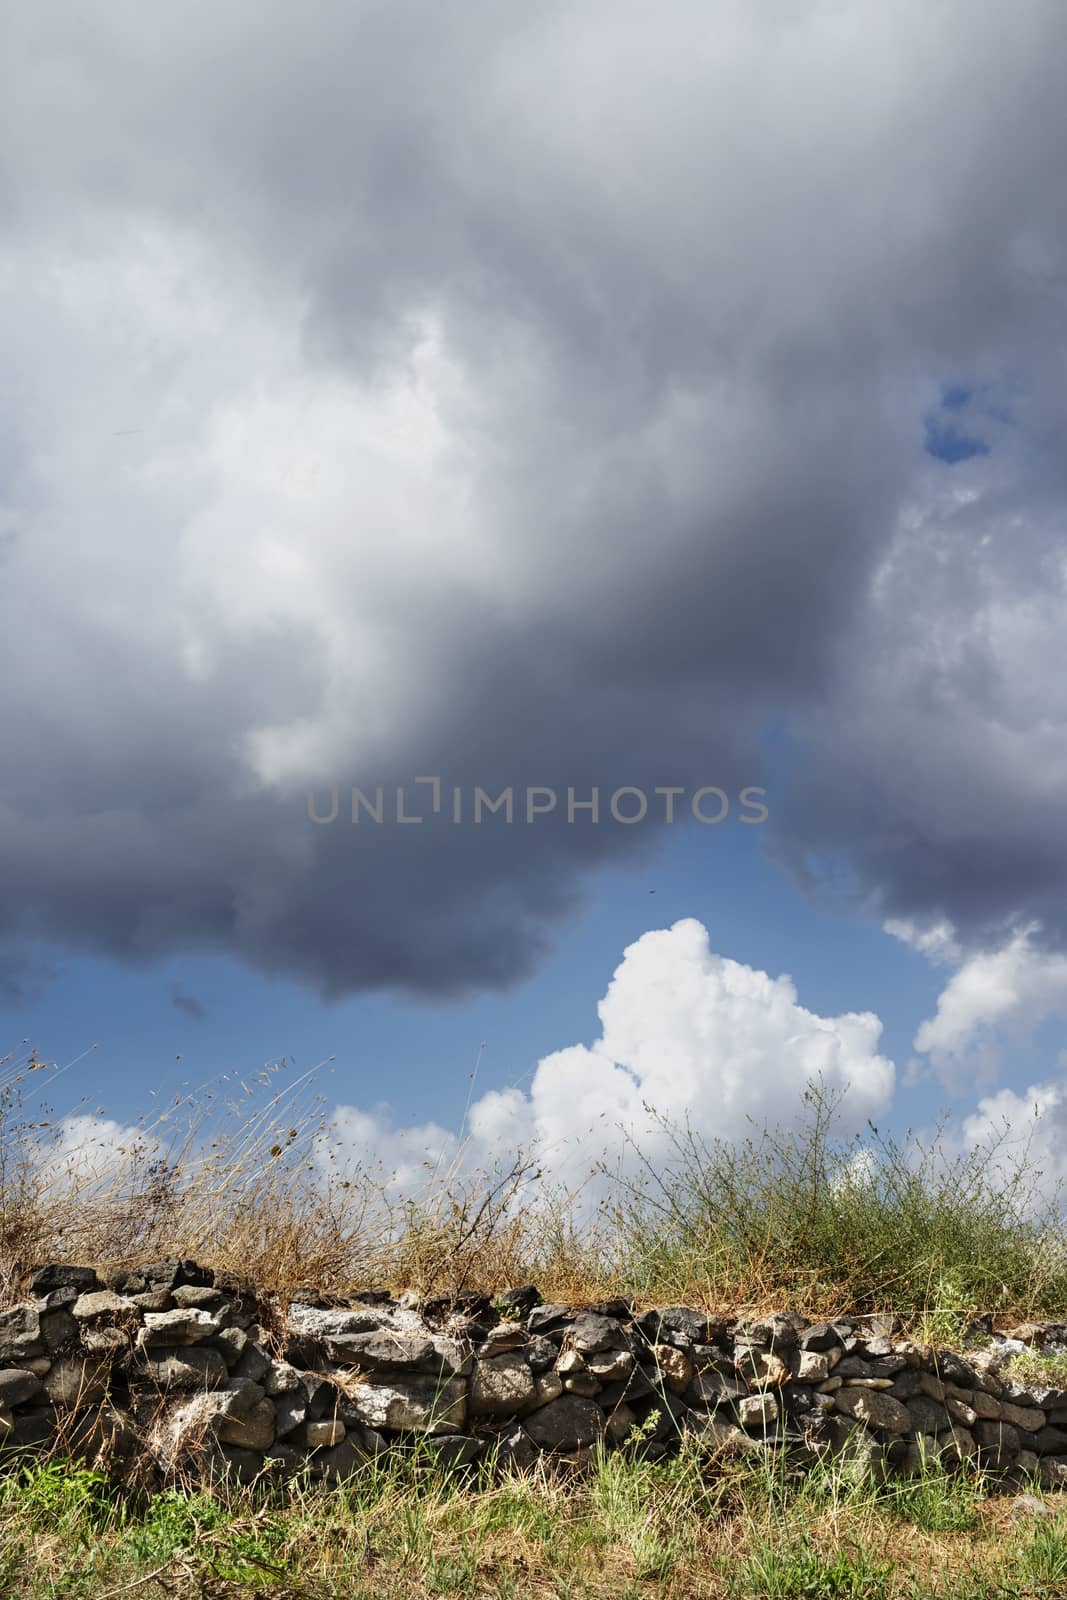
624	1528
244	1174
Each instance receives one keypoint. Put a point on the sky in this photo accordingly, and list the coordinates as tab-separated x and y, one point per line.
533	402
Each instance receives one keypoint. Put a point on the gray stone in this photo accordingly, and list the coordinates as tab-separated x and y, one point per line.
76	1381
1026	1507
324	1434
253	1362
1028	1418
502	1386
927	1416
58	1330
232	1343
198	1296
609	1366
195	1367
820	1336
281	1378
543	1318
411	1403
997	1438
56	1275
456	1449
758	1411
590	1333
874	1407
101	1303
17	1386
568	1423
380	1351
1050	1441
290	1412
106	1341
184	1325
254	1430
515	1449
20	1335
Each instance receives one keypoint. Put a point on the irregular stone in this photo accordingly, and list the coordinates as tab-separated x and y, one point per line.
76	1381
254	1430
37	1425
412	1403
819	1336
962	1412
811	1366
609	1366
1027	1417
1026	1507
502	1386
1050	1441
1052	1472
106	1341
380	1351
758	1411
199	1297
540	1353
57	1275
582	1383
456	1449
508	1336
515	1449
590	1333
194	1367
152	1300
100	1303
760	1367
927	1416
253	1362
183	1325
570	1362
290	1412
549	1387
569	1423
714	1388
324	1434
777	1333
280	1378
231	1342
621	1422
58	1330
20	1334
997	1438
674	1323
675	1367
544	1318
17	1386
874	1407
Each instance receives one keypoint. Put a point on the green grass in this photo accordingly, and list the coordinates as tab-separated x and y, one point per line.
801	1217
624	1528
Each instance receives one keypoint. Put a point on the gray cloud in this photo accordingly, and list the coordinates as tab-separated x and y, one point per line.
523	396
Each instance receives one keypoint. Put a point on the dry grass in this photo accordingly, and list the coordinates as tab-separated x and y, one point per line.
242	1174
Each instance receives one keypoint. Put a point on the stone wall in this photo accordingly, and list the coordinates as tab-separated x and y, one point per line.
172	1370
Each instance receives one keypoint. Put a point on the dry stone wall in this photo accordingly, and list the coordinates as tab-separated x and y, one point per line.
171	1370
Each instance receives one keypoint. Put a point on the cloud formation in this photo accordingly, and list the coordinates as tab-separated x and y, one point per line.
688	1037
523	395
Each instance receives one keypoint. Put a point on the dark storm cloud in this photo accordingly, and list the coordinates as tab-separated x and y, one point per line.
524	397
